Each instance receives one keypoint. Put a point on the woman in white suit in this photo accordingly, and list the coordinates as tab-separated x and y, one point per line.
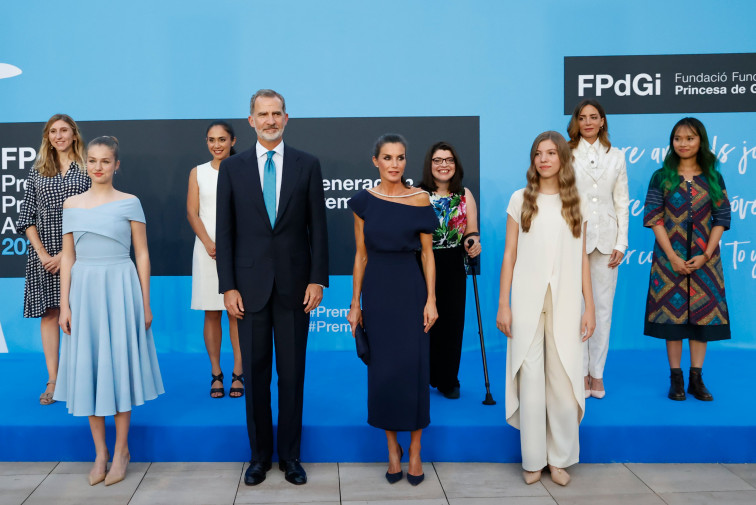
602	183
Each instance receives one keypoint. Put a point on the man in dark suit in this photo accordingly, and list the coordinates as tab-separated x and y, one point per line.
272	257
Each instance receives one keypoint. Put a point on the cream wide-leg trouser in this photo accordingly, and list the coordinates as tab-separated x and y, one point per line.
604	284
548	409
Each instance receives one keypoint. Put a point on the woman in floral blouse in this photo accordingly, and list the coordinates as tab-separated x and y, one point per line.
458	223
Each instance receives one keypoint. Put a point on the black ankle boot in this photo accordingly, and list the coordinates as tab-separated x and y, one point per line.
696	386
676	385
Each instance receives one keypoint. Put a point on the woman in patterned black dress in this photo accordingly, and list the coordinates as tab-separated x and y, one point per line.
688	210
57	174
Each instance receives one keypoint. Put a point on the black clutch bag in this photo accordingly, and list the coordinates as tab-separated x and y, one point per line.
361	341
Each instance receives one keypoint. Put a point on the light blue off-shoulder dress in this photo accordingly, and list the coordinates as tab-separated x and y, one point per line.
108	364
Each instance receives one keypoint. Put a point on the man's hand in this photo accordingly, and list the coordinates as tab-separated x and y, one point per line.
313	297
233	301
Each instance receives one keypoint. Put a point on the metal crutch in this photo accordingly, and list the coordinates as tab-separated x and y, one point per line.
473	262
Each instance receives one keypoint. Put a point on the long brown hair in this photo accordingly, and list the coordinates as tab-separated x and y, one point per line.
568	192
573	129
48	161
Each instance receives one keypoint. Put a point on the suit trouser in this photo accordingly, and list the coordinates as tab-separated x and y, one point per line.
604	283
286	328
548	409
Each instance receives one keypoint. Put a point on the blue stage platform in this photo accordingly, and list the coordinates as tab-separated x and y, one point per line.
634	423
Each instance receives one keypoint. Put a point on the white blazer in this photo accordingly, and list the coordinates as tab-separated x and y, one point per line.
602	184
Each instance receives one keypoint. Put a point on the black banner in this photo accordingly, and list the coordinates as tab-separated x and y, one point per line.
658	84
157	155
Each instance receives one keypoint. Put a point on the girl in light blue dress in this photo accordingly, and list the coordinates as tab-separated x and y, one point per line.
108	362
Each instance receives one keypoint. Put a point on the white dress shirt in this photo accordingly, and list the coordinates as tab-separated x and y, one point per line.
262	157
602	183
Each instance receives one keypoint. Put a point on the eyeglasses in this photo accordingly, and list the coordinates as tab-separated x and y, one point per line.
443	161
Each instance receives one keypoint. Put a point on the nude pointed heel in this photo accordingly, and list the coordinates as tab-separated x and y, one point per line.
531	477
559	475
111	478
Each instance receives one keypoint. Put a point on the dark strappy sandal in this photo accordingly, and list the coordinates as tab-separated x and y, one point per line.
220	390
239	392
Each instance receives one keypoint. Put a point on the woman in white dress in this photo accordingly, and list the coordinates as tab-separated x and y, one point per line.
200	211
602	183
546	268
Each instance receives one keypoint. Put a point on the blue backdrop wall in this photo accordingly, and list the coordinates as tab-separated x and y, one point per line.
500	61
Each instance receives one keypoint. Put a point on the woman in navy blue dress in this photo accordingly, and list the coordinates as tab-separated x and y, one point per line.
392	223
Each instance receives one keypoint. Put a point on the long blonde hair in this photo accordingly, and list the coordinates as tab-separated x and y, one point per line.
568	192
48	160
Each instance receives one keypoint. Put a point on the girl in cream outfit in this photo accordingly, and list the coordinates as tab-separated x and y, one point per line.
602	184
546	267
200	211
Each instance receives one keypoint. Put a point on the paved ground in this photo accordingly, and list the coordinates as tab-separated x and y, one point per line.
363	483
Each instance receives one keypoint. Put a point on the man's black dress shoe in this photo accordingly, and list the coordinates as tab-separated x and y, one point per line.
255	473
293	471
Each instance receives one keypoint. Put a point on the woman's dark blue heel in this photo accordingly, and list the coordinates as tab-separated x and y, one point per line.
393	478
414	479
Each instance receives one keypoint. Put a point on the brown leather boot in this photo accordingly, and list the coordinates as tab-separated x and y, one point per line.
676	385
696	386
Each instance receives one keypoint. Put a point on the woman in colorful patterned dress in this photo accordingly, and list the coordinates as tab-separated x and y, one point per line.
57	174
688	210
458	223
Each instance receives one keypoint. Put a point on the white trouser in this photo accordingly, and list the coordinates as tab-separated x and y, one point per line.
604	283
548	409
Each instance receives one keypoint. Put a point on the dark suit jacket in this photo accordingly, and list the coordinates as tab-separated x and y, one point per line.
250	254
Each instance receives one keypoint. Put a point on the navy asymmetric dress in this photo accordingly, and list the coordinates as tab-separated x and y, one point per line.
393	298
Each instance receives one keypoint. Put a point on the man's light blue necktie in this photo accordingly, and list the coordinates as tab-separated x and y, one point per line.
269	187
